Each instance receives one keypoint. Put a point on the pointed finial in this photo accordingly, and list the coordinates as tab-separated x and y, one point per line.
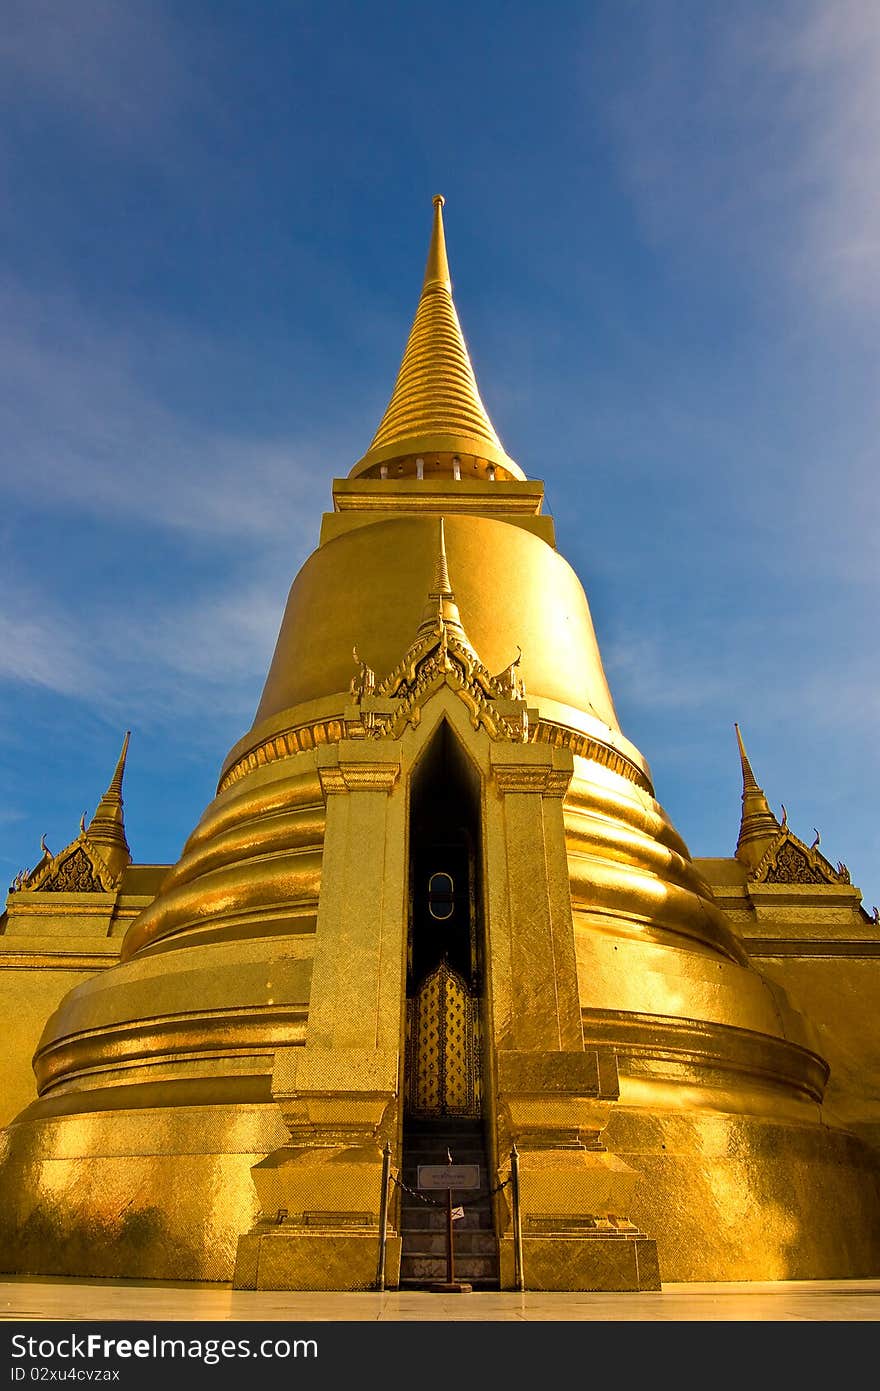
758	827
749	781
441	566
441	610
116	781
110	806
437	268
107	827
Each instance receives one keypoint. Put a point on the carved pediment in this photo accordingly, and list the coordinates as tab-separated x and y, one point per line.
790	861
78	869
436	659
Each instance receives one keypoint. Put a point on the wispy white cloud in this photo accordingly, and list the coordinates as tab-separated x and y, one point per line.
207	654
829	57
646	674
80	429
221	636
39	646
146	664
83	436
757	128
742	671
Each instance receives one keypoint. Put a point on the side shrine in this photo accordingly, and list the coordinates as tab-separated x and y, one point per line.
434	912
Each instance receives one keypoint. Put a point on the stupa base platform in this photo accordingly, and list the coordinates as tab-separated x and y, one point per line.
573	1261
282	1258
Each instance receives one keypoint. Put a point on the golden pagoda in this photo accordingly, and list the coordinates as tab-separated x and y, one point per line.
434	911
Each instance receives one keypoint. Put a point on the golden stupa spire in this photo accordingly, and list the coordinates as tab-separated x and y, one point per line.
441	606
435	413
437	267
758	826
107	827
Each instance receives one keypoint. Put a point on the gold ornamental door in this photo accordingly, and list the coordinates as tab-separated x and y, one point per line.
442	1047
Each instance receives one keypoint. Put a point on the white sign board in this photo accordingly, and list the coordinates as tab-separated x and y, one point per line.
449	1176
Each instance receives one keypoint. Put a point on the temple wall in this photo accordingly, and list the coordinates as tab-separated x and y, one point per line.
50	942
817	942
159	1192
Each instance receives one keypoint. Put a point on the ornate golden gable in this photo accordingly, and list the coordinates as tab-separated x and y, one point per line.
79	868
790	861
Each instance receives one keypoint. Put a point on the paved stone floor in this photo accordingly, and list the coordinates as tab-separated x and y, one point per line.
29	1298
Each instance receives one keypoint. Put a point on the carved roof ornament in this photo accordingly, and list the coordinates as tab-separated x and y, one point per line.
442	655
791	861
364	681
94	862
511	678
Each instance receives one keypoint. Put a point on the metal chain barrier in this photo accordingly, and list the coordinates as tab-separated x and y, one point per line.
430	1202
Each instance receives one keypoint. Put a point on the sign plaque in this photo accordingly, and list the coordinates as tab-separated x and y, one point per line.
463	1176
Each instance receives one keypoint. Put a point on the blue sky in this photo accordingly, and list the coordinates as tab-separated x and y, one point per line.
664	228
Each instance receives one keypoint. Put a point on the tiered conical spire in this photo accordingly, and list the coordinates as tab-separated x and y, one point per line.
106	829
435	406
758	826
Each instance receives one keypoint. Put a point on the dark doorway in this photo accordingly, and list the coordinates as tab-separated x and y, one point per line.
444	865
443	1094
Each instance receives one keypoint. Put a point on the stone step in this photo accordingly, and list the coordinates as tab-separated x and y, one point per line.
438	1195
433	1268
464	1244
431	1154
447	1135
423	1227
417	1217
454	1125
422	1220
467	1199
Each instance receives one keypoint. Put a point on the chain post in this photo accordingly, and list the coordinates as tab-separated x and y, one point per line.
518	1280
383	1215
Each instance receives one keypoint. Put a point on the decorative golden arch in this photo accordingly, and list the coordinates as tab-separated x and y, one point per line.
442	1047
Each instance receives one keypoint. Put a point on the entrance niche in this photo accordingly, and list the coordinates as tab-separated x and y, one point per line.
444	948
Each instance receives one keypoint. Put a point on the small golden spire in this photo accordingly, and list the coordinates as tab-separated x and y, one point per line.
441	608
107	827
441	566
758	826
435	407
749	782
